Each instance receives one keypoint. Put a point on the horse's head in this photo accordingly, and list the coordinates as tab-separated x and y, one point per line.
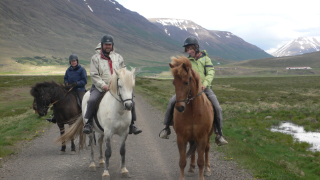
123	82
42	96
181	69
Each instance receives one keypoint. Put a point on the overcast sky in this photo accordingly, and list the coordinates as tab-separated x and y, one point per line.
266	24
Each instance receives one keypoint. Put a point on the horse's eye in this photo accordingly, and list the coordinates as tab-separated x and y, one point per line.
186	83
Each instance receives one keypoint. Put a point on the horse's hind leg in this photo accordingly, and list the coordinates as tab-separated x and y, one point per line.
63	146
73	147
100	141
207	171
92	166
124	171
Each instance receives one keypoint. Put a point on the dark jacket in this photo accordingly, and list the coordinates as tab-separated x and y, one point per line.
79	75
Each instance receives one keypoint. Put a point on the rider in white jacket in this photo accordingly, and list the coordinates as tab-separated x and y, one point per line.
101	68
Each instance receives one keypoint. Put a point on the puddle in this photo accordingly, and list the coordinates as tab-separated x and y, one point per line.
300	134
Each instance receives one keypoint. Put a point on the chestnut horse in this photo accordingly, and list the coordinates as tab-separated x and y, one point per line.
193	117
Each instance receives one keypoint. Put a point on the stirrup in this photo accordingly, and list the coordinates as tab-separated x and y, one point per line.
87	129
220	140
164	133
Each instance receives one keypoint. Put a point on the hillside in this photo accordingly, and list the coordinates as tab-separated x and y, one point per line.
218	43
61	27
309	59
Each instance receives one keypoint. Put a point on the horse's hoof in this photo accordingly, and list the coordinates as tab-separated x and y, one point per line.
207	173
62	152
72	152
125	175
190	173
101	164
105	175
92	167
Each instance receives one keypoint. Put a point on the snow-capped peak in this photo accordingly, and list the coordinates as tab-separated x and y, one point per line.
299	46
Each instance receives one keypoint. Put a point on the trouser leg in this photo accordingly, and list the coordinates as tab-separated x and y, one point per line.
81	94
168	117
217	110
133	113
94	95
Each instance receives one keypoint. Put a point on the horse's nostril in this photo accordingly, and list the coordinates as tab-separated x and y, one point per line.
180	108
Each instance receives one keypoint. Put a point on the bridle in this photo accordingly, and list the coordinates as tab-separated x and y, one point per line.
119	94
189	98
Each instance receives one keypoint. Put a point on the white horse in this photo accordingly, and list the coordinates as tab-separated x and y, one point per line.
114	116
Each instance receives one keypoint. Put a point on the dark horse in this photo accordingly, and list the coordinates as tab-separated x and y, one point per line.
64	104
193	117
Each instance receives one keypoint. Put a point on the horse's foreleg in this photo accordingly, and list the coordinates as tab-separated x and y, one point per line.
92	166
182	146
124	171
207	171
100	141
63	146
201	149
108	152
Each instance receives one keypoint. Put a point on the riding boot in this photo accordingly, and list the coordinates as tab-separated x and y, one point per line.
134	129
52	119
168	119
87	128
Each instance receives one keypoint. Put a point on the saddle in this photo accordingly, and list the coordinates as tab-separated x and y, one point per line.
96	108
78	99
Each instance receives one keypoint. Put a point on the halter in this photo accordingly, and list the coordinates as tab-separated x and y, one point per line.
188	99
119	94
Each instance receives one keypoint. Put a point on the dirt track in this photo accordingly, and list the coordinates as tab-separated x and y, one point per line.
148	157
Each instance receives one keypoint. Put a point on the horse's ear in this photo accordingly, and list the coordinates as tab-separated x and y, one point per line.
171	66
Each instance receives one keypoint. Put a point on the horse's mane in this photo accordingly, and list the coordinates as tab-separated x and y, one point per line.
123	74
178	69
36	88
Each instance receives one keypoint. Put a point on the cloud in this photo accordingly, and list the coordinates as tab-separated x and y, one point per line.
264	24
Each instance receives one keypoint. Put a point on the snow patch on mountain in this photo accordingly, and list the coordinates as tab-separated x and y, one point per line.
299	46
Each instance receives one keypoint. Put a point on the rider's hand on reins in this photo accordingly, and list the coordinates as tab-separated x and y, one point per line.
105	87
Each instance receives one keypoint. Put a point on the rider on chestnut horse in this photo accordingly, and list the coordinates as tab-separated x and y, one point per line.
202	64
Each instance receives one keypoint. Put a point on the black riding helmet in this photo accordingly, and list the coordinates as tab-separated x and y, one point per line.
73	57
191	41
107	39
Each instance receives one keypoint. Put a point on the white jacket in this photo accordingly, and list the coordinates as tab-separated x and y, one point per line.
100	71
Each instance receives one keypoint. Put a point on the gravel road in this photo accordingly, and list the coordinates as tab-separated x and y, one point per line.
148	157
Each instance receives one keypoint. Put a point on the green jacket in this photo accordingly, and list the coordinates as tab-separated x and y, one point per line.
204	67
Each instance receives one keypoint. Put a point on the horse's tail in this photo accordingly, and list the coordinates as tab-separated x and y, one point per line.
74	131
192	149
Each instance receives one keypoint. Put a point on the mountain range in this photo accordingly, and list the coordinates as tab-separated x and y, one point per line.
218	43
58	28
299	46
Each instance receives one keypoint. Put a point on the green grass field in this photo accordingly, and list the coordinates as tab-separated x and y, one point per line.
251	105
